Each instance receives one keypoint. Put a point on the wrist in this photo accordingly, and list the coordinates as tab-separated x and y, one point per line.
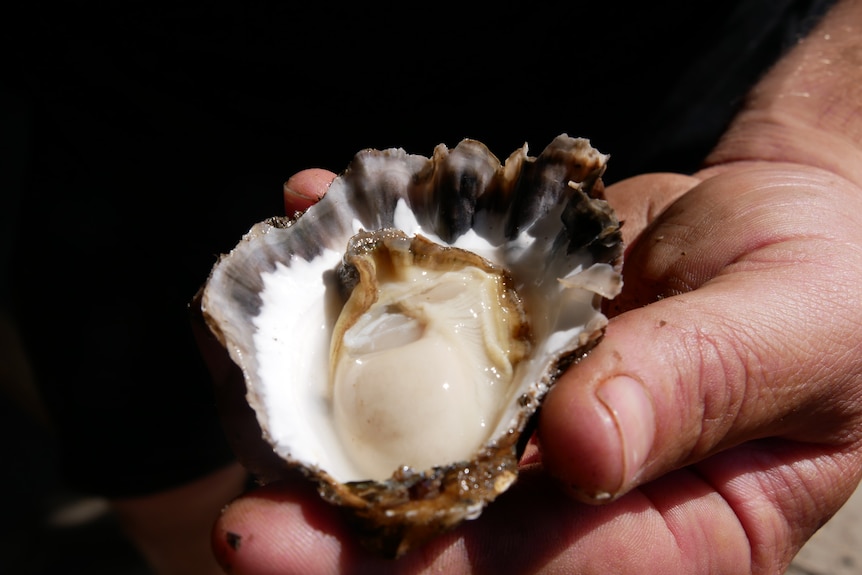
808	109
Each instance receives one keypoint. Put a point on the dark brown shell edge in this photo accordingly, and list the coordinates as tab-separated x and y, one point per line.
399	514
396	515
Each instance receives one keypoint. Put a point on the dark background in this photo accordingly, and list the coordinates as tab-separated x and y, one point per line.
141	141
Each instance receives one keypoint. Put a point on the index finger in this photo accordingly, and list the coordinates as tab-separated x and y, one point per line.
305	188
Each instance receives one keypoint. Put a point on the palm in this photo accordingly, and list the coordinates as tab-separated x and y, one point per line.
739	319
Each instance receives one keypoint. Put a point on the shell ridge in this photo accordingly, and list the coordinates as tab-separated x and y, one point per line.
538	218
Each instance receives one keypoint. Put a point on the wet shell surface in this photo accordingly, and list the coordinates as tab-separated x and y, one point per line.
396	339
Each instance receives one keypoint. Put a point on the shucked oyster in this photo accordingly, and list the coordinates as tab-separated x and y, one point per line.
397	337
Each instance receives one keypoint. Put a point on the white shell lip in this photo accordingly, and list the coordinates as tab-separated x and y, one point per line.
540	218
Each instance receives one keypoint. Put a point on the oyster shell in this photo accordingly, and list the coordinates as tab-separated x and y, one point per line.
428	303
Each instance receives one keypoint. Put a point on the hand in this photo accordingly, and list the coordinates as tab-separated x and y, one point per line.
170	528
733	434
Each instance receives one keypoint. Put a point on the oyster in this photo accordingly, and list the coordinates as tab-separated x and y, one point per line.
396	339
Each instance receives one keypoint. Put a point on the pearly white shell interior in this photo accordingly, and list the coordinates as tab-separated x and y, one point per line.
272	301
292	338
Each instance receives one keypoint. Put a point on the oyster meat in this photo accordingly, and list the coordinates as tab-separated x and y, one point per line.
396	339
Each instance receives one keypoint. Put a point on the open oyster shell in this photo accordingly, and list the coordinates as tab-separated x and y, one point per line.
531	236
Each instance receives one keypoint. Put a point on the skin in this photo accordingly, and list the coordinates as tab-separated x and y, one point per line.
170	528
719	423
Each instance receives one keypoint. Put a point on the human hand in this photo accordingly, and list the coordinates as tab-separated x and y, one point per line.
736	436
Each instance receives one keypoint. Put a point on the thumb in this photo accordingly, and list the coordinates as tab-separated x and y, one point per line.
723	292
639	200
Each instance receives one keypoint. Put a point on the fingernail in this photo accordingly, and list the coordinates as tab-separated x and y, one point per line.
295	201
289	191
632	411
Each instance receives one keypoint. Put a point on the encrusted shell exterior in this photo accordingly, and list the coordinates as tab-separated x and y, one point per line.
553	199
